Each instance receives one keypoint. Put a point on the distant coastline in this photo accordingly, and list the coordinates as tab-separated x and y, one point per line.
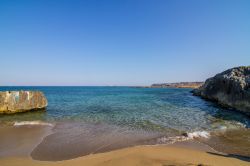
178	85
192	85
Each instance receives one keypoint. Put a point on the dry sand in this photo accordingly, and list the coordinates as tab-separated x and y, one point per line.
139	156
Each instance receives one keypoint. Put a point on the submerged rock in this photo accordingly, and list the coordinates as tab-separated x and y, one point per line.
21	101
230	88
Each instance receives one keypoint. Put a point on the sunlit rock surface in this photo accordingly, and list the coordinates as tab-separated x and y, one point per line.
230	88
21	101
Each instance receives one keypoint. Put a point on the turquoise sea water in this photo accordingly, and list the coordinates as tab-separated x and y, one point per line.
137	108
99	119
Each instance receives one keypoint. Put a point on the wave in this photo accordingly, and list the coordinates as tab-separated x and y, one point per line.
184	137
198	134
27	123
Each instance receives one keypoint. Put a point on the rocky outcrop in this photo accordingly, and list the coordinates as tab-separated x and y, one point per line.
230	88
21	101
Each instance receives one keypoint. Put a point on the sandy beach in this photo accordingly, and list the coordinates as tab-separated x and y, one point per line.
16	152
139	156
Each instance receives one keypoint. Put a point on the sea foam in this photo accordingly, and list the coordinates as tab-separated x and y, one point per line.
198	134
186	137
27	123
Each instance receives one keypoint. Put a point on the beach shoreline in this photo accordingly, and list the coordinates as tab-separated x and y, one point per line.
68	140
191	152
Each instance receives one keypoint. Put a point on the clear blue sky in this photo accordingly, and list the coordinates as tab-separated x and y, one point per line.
128	42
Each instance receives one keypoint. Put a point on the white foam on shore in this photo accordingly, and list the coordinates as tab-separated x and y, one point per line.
198	134
186	137
27	123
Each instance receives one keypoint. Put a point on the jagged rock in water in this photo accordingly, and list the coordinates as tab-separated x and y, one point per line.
230	88
21	101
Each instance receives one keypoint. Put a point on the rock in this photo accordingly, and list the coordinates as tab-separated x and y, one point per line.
185	134
21	101
230	88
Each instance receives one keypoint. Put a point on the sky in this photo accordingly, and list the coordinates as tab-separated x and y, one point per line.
120	42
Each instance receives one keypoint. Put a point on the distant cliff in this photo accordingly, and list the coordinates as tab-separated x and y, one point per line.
178	85
230	88
21	101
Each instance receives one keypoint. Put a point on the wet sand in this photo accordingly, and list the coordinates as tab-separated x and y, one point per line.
232	142
27	145
81	139
20	141
70	140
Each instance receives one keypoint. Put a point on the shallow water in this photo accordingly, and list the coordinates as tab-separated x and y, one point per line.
135	114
